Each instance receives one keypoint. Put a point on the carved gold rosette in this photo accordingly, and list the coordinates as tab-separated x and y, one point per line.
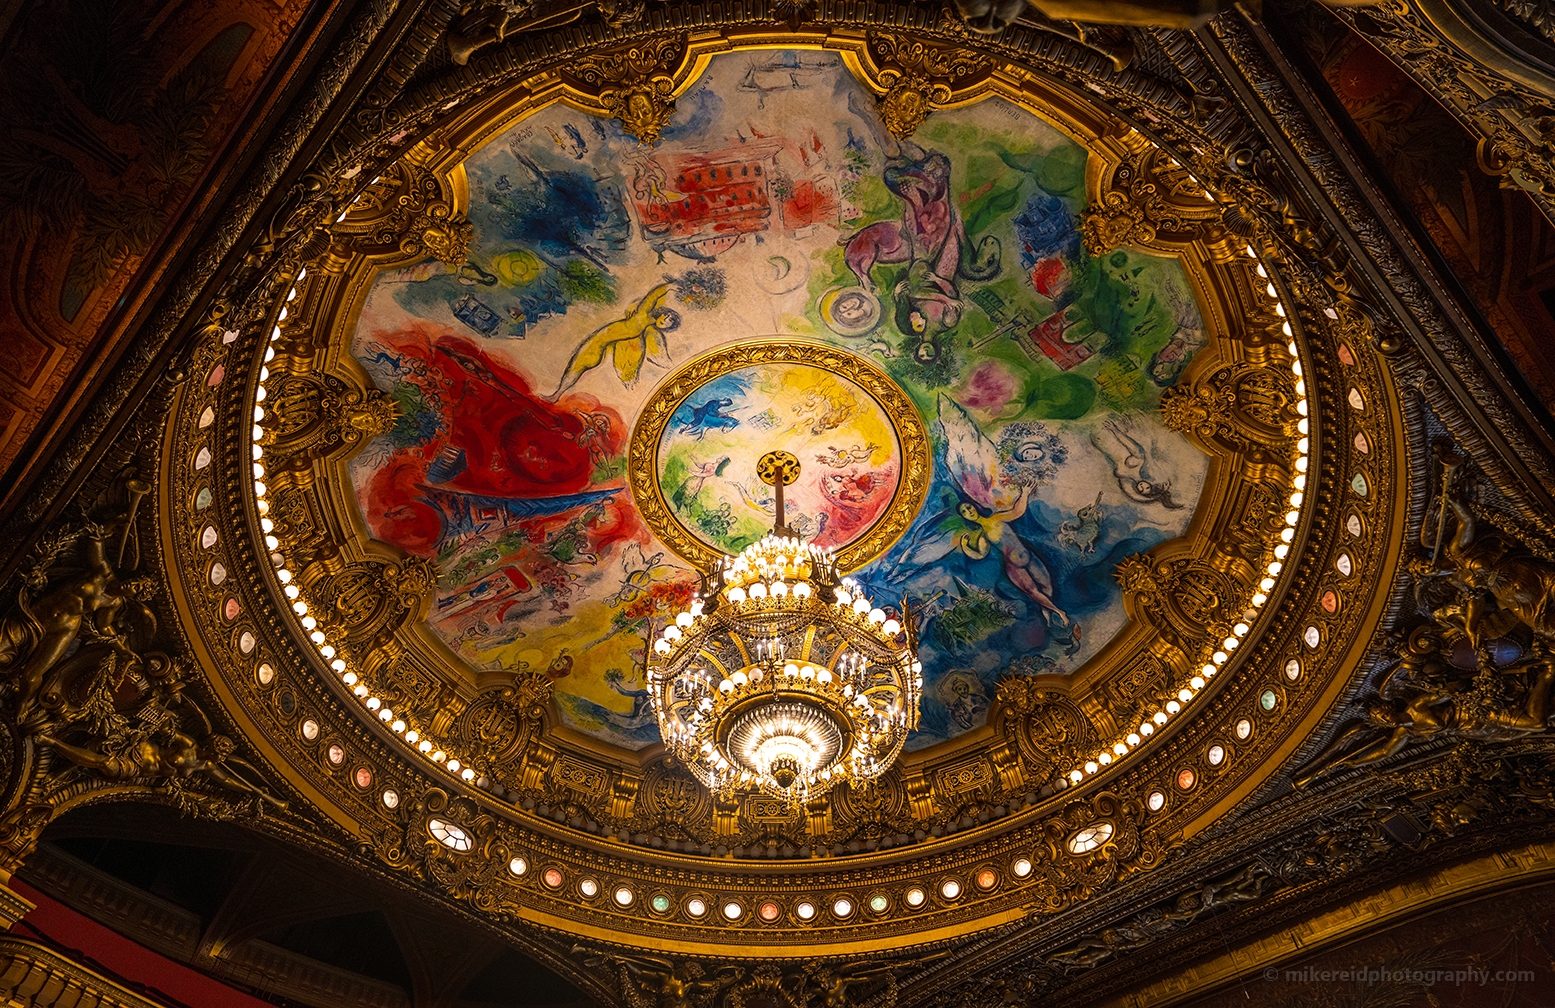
960	837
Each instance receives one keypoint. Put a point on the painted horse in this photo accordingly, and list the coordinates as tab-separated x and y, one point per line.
931	238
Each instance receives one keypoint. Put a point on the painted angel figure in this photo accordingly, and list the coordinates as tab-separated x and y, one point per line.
631	340
1130	461
991	503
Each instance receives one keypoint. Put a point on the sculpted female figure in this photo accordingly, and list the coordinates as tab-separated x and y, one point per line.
36	635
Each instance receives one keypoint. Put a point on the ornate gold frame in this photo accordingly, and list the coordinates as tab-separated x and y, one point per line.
911	438
981	800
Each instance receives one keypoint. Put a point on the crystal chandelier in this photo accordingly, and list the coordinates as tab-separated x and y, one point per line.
782	676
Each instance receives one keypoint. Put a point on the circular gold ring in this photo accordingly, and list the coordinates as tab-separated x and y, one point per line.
912	487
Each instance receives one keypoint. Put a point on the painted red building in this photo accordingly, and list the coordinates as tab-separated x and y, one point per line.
706	201
1048	340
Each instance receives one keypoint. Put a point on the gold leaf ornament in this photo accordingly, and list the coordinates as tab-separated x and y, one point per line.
635	86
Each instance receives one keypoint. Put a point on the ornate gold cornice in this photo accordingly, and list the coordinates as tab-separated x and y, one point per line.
1430	348
917	77
635	86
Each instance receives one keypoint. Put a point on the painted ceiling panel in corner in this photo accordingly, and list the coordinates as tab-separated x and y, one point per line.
777	205
1491	234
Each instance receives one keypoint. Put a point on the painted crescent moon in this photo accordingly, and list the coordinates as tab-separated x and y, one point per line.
783	271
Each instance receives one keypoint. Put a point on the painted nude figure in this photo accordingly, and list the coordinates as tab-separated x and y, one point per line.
629	341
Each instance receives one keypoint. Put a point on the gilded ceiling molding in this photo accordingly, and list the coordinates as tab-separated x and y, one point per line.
1504	97
1428	345
635	86
191	289
915	77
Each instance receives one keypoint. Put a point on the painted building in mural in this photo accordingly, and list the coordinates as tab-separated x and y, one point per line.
600	268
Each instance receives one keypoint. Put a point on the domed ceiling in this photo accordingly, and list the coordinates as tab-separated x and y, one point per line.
1146	421
972	397
1047	396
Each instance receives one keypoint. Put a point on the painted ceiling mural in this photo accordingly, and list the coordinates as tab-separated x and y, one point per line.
951	263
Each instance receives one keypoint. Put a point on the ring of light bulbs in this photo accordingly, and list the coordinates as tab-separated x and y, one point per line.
1160	717
784	676
1151	723
373	703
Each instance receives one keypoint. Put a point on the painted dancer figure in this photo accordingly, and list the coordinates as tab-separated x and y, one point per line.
991	505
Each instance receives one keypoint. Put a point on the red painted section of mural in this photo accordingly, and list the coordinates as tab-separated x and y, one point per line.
127	963
1048	339
718	193
496	441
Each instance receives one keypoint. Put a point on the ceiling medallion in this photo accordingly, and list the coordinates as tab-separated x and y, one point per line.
780	675
869	442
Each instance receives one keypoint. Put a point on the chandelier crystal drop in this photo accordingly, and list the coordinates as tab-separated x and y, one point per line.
782	676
